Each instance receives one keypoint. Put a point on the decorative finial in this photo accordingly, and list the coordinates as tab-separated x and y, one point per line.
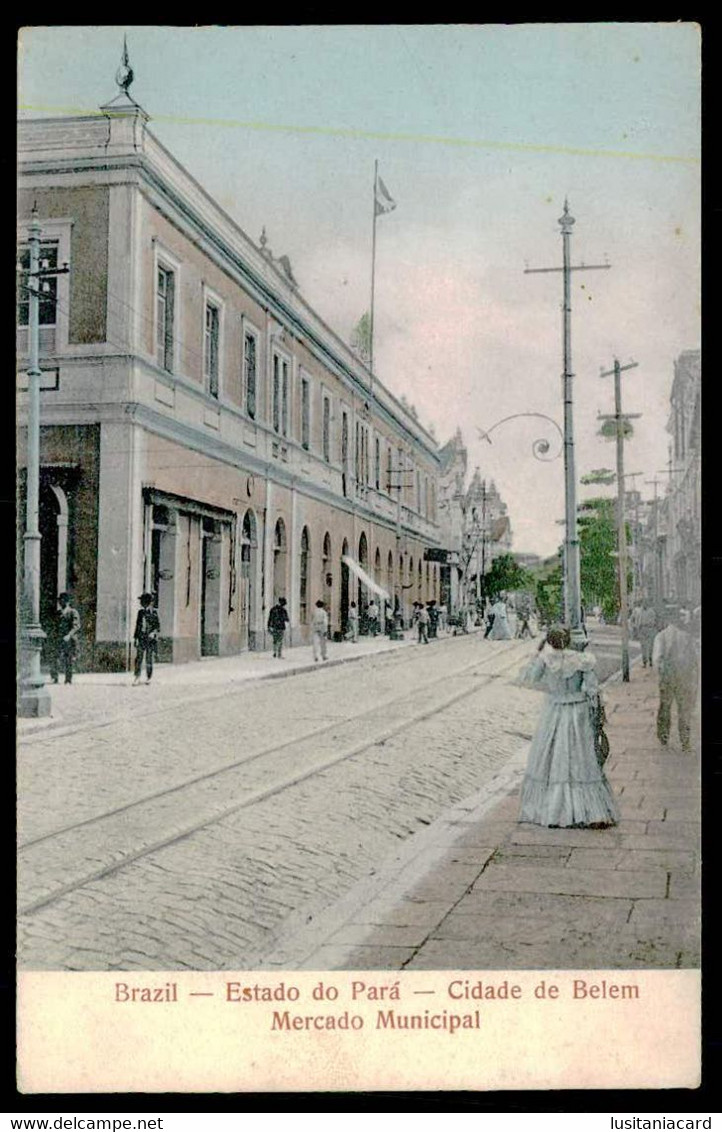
124	75
264	238
566	220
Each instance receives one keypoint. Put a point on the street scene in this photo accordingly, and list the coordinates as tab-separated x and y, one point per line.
358	579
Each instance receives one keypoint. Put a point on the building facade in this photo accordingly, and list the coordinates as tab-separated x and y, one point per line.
204	434
670	526
683	559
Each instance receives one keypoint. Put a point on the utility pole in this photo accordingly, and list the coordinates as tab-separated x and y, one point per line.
397	630
483	534
620	420
34	699
572	582
636	572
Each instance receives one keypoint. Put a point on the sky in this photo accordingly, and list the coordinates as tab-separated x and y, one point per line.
481	132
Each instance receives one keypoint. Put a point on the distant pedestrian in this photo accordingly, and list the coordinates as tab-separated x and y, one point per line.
489	622
147	631
422	620
443	618
646	625
500	630
524	629
565	784
372	614
674	655
66	629
433	612
319	628
277	621
352	631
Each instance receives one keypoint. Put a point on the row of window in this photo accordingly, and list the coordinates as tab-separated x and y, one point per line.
399	475
367	473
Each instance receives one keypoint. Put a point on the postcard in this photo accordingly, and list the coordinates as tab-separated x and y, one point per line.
358	406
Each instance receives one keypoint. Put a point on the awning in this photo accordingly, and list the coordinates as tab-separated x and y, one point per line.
365	578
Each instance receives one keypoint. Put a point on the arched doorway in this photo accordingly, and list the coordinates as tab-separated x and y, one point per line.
53	525
363	557
327	574
249	548
280	561
304	577
390	575
345	598
421	583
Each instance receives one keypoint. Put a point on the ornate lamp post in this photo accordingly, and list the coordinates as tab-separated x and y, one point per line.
541	448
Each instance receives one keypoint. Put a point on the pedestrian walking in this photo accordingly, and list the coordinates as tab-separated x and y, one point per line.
147	631
645	628
443	618
352	631
372	615
674	655
277	621
523	618
489	622
565	784
500	630
433	611
319	627
422	620
65	639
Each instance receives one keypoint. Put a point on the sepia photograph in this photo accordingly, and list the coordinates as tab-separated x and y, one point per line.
359	517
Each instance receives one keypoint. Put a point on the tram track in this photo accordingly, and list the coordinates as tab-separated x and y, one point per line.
62	861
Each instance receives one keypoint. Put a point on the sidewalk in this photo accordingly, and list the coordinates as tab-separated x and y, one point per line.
96	697
479	891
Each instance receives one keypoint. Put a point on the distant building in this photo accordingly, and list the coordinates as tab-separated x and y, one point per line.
528	561
474	524
670	526
453	460
204	434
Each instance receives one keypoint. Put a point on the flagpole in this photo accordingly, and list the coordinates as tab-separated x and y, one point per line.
373	276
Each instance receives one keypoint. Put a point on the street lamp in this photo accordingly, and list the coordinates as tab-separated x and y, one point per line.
540	448
33	699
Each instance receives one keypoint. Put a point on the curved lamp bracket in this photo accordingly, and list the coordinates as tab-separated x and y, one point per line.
540	448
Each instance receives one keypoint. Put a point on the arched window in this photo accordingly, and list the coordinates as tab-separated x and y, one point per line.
363	550
279	560
303	592
327	568
377	564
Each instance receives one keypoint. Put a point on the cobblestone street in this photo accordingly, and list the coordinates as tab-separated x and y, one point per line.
199	833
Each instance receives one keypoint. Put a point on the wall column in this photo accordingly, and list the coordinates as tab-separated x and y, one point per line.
120	542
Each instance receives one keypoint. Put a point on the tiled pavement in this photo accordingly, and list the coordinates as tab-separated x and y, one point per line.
486	892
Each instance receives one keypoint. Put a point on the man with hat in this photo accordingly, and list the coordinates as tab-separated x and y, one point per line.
277	621
147	629
66	629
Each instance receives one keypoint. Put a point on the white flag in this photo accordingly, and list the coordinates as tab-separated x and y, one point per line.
384	202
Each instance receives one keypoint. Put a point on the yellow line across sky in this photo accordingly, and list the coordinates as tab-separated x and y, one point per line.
377	135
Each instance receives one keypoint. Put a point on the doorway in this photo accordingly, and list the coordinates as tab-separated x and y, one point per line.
210	586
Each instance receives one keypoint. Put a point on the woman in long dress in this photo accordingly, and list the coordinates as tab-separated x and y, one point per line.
564	784
500	629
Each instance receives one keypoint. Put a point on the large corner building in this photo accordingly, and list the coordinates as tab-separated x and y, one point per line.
204	434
